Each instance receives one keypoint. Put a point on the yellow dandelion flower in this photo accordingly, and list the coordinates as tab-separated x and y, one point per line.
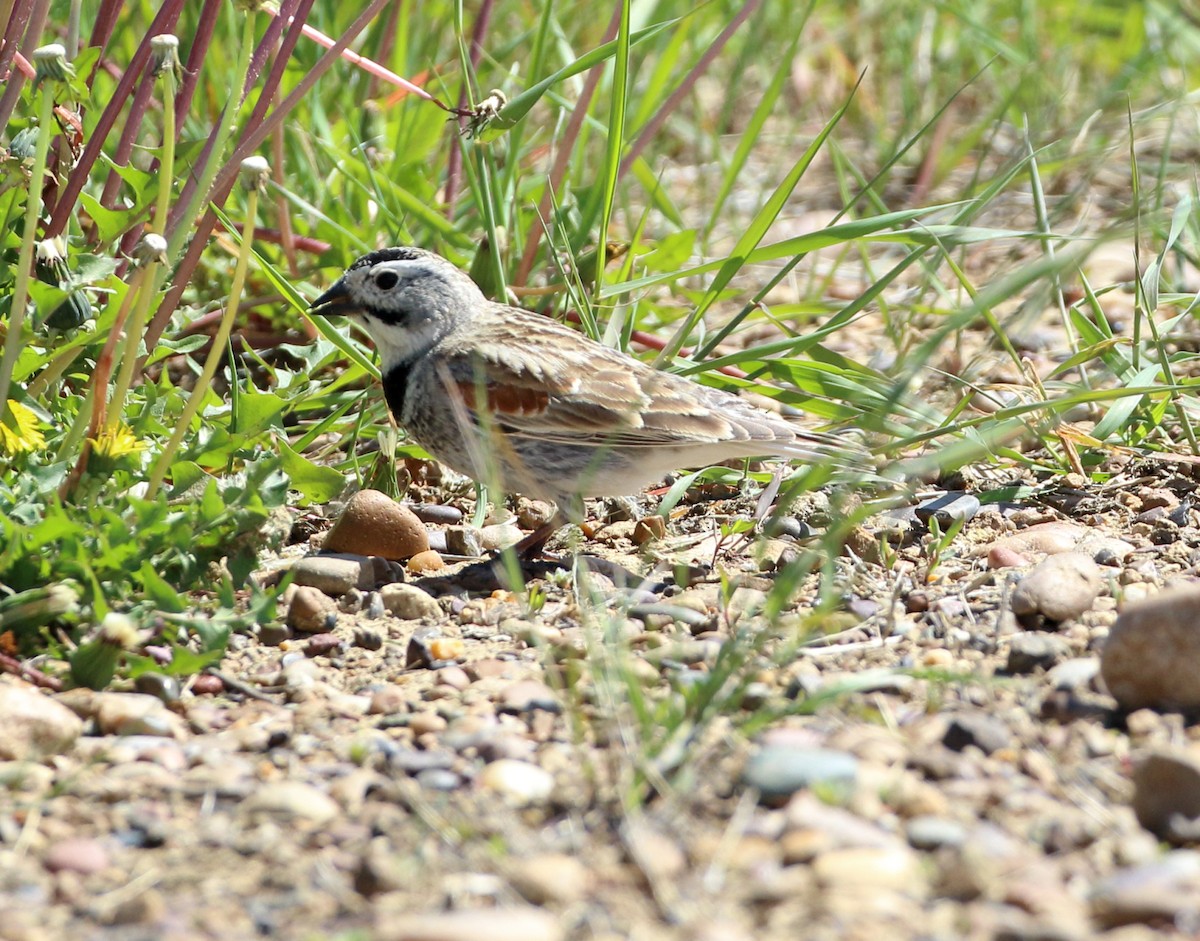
19	430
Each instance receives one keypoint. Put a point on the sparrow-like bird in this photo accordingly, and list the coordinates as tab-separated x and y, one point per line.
514	398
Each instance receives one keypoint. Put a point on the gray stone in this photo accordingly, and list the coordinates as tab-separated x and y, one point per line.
1075	673
778	771
929	832
948	508
1166	796
1035	650
985	732
334	574
1163	892
1059	588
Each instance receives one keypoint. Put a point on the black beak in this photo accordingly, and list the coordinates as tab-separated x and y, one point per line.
333	302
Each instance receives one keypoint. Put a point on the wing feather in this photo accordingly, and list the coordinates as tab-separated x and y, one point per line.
557	385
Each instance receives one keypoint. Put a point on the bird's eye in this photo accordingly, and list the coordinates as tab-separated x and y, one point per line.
386	280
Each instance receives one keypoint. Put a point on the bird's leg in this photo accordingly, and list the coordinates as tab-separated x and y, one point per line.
531	546
569	510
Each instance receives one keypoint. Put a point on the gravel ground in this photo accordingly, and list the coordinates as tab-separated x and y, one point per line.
985	739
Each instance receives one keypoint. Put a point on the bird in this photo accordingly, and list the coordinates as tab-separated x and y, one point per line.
517	399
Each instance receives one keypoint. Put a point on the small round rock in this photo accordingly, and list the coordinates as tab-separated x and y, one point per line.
372	523
77	854
1059	588
1152	655
427	561
311	611
520	782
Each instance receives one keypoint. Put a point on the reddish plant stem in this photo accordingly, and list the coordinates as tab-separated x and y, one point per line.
283	208
566	148
387	39
14	666
681	91
130	129
455	157
168	13
191	70
36	22
267	45
13	31
261	127
198	168
300	242
102	30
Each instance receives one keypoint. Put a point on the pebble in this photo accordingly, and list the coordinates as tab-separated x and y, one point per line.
948	508
1152	655
311	611
877	868
550	879
1002	557
426	722
520	782
1029	651
657	854
499	536
984	731
134	714
436	513
1043	539
1163	892
420	651
291	800
527	695
334	574
673	612
352	601
1059	588
779	771
1106	550
1075	673
207	685
454	677
648	529
427	561
389	700
35	726
494	924
410	603
324	645
1166	794
438	779
160	686
77	854
372	523
929	832
464	541
368	638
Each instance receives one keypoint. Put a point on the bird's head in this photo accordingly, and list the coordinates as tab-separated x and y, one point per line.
405	298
